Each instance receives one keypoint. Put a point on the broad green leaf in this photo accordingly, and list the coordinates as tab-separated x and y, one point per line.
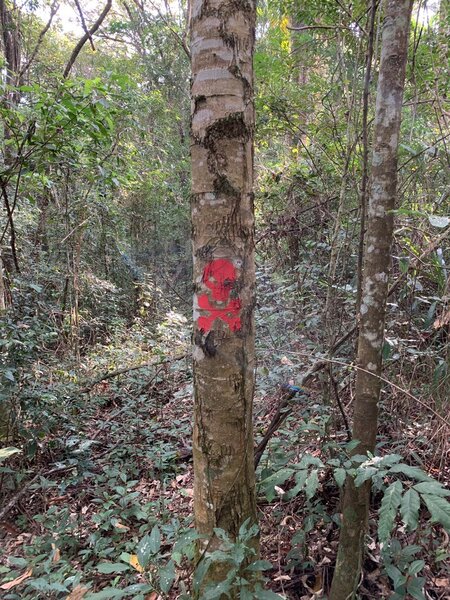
44	586
260	565
439	508
415	567
148	546
167	576
312	483
415	587
411	472
363	474
9	375
340	476
388	510
268	595
107	567
300	479
409	509
398	579
106	594
277	478
433	488
310	460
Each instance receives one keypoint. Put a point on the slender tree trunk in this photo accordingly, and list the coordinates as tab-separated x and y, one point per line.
363	196
222	40
2	288
377	258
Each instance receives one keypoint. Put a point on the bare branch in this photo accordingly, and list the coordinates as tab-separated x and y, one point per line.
86	36
53	10
83	24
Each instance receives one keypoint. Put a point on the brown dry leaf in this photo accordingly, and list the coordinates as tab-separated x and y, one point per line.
152	596
56	553
286	361
443	320
17	580
189	492
318	584
442	582
78	592
134	562
118	525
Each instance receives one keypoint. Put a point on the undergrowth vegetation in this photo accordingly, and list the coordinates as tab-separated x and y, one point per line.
96	480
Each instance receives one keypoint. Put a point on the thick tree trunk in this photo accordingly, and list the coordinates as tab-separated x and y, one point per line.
222	40
377	258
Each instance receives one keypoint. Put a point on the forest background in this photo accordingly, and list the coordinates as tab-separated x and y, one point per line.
95	300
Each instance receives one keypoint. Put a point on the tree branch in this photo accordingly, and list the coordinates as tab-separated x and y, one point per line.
83	24
89	33
53	10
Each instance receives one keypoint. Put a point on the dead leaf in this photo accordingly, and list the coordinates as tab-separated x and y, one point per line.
443	320
442	582
134	562
17	580
56	553
286	361
78	592
119	525
318	585
152	596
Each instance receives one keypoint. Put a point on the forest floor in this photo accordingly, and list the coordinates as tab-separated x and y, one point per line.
112	487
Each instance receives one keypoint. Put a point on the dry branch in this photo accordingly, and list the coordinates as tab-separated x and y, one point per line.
88	35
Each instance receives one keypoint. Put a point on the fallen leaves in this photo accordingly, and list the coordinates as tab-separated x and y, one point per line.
78	592
17	581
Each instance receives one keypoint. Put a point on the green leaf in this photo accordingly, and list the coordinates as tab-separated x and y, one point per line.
388	510
9	375
433	488
277	478
167	576
415	587
260	565
363	474
310	460
44	586
300	479
150	544
398	579
312	483
340	476
108	568
106	594
409	509
415	567
268	595
411	472
439	509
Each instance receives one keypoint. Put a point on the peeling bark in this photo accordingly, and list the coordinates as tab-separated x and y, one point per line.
374	289
222	40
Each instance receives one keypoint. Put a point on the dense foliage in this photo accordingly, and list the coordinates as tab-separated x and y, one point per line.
95	305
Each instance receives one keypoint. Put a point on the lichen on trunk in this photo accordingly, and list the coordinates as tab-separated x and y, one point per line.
222	40
374	289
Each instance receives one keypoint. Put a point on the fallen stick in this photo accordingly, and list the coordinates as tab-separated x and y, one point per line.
112	374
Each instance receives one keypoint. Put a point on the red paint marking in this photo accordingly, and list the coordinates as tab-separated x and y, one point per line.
219	276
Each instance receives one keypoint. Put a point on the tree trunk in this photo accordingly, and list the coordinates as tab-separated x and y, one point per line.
222	40
377	257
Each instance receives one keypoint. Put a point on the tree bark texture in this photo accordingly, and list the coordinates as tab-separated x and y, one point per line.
377	259
222	41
